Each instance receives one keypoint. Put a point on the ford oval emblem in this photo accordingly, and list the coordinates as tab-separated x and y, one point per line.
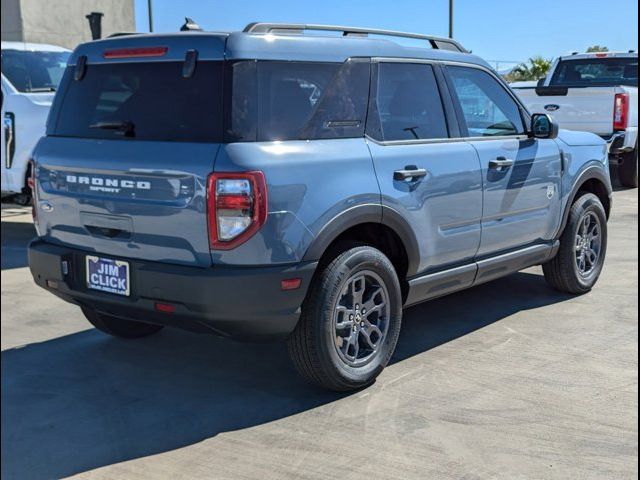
552	107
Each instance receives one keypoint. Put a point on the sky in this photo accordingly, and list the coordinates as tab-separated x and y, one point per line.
500	31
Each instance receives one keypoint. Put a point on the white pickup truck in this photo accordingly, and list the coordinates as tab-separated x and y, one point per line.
593	92
30	75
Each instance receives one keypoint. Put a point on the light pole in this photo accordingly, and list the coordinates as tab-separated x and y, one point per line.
150	10
450	18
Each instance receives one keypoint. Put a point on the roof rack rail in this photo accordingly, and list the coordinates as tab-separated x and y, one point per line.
292	28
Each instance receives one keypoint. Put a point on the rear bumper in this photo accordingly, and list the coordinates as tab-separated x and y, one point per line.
622	142
239	302
615	143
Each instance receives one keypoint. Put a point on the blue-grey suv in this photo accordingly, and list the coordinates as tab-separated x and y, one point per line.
277	183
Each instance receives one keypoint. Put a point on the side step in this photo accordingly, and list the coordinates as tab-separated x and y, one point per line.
438	284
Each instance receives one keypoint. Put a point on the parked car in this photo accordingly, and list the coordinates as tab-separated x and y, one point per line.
31	73
598	93
275	183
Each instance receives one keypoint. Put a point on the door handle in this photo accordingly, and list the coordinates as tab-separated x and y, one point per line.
410	172
501	162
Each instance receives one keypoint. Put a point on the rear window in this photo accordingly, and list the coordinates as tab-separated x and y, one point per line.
143	101
243	101
274	100
32	71
600	72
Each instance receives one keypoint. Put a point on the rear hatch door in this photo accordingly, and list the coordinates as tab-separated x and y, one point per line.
130	142
588	109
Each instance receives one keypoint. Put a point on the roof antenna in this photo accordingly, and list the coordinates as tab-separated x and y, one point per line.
190	25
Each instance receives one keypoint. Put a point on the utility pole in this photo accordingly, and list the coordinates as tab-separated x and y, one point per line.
150	10
450	18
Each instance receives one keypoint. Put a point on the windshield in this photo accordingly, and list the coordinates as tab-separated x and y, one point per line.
597	72
30	71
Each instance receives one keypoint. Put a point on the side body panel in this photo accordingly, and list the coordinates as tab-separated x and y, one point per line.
581	163
522	203
444	207
29	112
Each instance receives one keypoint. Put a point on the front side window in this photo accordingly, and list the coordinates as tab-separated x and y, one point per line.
276	100
406	104
487	108
32	71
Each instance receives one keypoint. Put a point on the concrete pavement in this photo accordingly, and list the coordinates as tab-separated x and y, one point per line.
509	380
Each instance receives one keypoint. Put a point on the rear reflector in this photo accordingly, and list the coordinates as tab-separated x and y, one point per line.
135	52
165	307
291	283
621	111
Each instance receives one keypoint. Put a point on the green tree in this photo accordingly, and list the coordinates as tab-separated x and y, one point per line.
597	48
534	69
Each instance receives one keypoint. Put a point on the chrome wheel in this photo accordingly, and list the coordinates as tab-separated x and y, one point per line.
588	244
361	318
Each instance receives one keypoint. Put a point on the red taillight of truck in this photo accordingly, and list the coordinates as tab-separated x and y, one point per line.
621	111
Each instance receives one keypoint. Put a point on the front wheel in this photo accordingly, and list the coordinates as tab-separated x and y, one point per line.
583	246
350	321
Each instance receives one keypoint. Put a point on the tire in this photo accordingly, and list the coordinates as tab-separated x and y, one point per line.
576	267
628	169
118	327
323	344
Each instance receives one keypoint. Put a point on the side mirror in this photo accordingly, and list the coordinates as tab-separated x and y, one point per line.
543	126
541	82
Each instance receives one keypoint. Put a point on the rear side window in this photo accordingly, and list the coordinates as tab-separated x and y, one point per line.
487	108
406	104
143	101
274	100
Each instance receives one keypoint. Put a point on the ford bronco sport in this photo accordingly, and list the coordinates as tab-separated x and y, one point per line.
277	183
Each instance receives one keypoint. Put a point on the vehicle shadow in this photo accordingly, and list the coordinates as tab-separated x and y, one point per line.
15	238
85	400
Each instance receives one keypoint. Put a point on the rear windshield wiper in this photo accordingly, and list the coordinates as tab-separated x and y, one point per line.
122	127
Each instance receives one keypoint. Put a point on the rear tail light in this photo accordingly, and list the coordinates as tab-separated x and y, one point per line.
237	207
621	111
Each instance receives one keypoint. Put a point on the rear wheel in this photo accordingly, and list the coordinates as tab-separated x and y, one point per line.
628	169
350	321
118	327
583	246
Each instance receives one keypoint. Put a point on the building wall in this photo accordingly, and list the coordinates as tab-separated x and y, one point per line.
11	21
63	22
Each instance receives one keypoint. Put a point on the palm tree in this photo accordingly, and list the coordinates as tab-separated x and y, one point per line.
536	68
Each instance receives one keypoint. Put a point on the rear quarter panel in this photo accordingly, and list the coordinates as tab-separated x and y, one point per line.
309	183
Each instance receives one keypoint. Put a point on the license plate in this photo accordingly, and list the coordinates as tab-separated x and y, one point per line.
108	275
